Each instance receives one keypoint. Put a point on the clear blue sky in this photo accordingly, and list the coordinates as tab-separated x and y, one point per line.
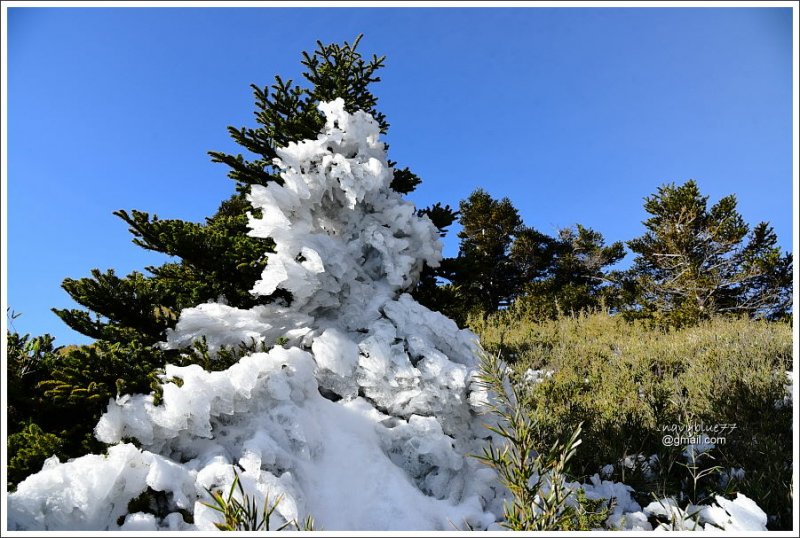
575	114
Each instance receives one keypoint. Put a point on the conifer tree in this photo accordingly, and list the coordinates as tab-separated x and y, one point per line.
216	260
502	262
354	376
487	273
577	278
694	261
28	362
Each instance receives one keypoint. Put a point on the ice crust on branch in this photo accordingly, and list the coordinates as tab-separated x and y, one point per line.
363	417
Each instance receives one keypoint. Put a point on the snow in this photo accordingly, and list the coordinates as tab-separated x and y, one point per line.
739	514
786	401
743	514
693	451
139	521
335	352
75	495
333	461
537	376
626	514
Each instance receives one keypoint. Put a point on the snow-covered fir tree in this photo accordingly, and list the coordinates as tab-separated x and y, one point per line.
362	414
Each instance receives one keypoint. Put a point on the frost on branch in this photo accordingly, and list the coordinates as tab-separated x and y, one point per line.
363	418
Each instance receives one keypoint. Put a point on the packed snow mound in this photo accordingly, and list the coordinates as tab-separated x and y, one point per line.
362	414
265	417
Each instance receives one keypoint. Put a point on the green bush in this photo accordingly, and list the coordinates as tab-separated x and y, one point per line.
27	450
535	478
31	437
627	381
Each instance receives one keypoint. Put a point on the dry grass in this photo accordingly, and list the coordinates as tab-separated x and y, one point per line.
627	381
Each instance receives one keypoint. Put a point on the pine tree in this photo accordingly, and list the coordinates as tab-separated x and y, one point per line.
503	262
28	363
577	278
216	259
695	261
487	272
